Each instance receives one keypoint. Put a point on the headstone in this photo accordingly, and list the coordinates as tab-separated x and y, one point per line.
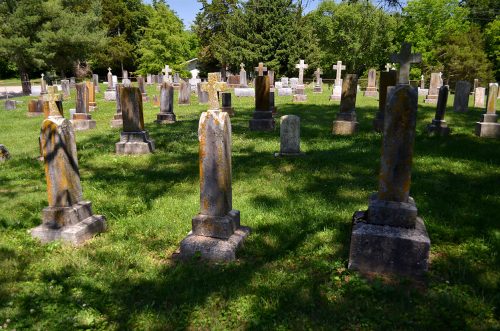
479	97
4	153
233	81
272	104
294	82
115	80
81	118
422	82
270	73
166	77
285	91
243	76
216	231
289	136
300	93
434	88
405	58
194	79
124	75
166	115
371	90
285	82
318	83
95	80
65	88
52	103
301	66
133	139
387	78
346	122
68	217
390	237
244	92
476	85
337	88
488	126
202	95
262	116
142	88
43	86
226	103
184	93
72	82
110	94
35	108
177	79
212	87
117	121
91	96
10	104
278	85
149	79
438	125
462	92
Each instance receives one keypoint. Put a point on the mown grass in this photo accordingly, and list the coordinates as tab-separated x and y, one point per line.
292	272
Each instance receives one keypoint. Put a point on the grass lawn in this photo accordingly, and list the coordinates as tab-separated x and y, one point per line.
292	272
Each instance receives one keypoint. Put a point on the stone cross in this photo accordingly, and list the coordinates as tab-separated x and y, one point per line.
388	66
261	69
212	87
339	67
52	99
242	66
301	66
167	72
405	58
318	74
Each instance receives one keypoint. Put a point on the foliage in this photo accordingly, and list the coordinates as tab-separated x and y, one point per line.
492	37
482	12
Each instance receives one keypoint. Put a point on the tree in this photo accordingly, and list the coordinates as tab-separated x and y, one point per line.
492	37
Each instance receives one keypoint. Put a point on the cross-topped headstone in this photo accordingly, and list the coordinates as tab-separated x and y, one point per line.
339	67
405	58
261	69
388	67
318	74
242	66
301	66
167	72
212	87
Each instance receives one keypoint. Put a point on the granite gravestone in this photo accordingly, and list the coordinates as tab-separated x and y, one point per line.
95	80
462	92
65	88
81	118
262	119
166	115
346	123
488	126
438	125
436	83
243	76
202	95
318	83
226	103
142	87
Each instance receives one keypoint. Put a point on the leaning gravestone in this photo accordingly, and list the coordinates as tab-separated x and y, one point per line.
387	79
166	115
81	119
488	127
346	123
462	92
436	83
134	139
289	136
184	93
110	93
216	231
4	153
68	217
371	90
117	121
262	116
227	104
438	125
479	97
390	237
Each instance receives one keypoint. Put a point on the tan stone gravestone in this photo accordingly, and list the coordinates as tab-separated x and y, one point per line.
166	115
436	83
387	79
390	237
81	119
166	77
346	122
289	136
35	108
216	231
488	126
462	93
65	88
68	217
95	81
92	105
142	88
262	117
243	76
212	87
43	85
133	139
479	97
438	125
371	90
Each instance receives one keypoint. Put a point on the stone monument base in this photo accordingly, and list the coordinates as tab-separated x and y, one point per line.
117	121
165	118
262	121
371	92
388	249
432	99
346	123
299	97
216	227
438	128
488	126
135	143
82	122
110	95
229	110
73	225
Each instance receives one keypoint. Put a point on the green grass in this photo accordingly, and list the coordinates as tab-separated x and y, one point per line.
292	272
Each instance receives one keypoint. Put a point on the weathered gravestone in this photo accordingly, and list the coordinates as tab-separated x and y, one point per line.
262	116
436	83
479	97
300	95
346	123
50	99
134	139
318	83
462	92
184	93
387	79
272	103
92	105
243	76
202	95
43	86
216	231
124	75
233	81
10	104
166	115
488	126
110	93
293	83
285	82
95	80
226	103
438	125
371	90
390	237
4	153
337	88
166	76
289	136
270	73
142	88
35	108
68	217
117	121
212	87
81	118
65	88
285	91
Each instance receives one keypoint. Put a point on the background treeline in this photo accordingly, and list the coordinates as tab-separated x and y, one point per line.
460	38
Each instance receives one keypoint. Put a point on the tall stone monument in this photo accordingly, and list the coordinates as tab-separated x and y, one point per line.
65	88
346	122
166	115
436	83
488	126
110	94
337	88
68	217
262	116
371	90
387	79
43	85
95	80
134	139
438	125
243	76
390	237
81	119
462	93
216	231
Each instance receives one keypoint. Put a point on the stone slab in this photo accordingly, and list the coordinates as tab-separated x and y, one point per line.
389	250
299	98
266	124
244	92
83	125
392	213
165	118
344	128
132	143
487	130
216	227
212	249
285	91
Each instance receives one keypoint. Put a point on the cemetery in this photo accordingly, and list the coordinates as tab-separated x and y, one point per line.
262	195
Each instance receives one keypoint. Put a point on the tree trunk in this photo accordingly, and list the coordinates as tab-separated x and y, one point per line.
25	81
